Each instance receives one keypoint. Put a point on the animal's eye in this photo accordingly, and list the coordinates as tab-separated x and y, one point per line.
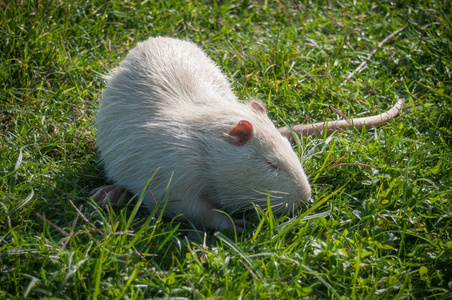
274	166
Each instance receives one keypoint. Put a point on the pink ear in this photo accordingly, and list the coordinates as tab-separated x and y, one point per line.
241	133
257	106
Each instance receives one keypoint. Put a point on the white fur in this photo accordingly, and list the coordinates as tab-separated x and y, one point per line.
169	107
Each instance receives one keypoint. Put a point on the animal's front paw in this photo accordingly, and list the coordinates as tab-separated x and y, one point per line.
222	222
237	224
114	194
240	225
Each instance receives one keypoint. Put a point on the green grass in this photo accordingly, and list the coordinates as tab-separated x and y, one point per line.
381	231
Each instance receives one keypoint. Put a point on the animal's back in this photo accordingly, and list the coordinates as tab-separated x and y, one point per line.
166	73
153	102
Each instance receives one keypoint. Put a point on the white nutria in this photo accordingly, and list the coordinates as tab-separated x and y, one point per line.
168	107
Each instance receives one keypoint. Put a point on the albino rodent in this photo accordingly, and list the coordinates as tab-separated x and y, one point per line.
168	108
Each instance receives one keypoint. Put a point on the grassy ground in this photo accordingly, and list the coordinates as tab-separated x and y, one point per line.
381	226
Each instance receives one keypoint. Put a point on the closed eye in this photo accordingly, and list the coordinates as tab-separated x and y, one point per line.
274	166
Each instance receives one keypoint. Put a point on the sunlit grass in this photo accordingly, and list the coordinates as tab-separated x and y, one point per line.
380	226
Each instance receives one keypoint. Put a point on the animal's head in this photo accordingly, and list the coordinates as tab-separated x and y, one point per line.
257	161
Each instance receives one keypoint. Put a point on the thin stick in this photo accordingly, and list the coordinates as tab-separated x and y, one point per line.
85	219
251	271
71	234
61	230
338	112
438	20
354	164
387	39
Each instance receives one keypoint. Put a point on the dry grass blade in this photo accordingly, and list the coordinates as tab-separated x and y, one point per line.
387	39
85	219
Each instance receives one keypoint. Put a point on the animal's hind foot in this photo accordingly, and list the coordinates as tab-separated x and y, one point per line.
114	194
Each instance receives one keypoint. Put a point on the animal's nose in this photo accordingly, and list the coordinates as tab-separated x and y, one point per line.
305	193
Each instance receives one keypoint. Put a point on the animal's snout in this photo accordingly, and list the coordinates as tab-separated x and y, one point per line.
304	193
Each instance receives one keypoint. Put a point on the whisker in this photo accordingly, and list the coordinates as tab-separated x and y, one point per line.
272	193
